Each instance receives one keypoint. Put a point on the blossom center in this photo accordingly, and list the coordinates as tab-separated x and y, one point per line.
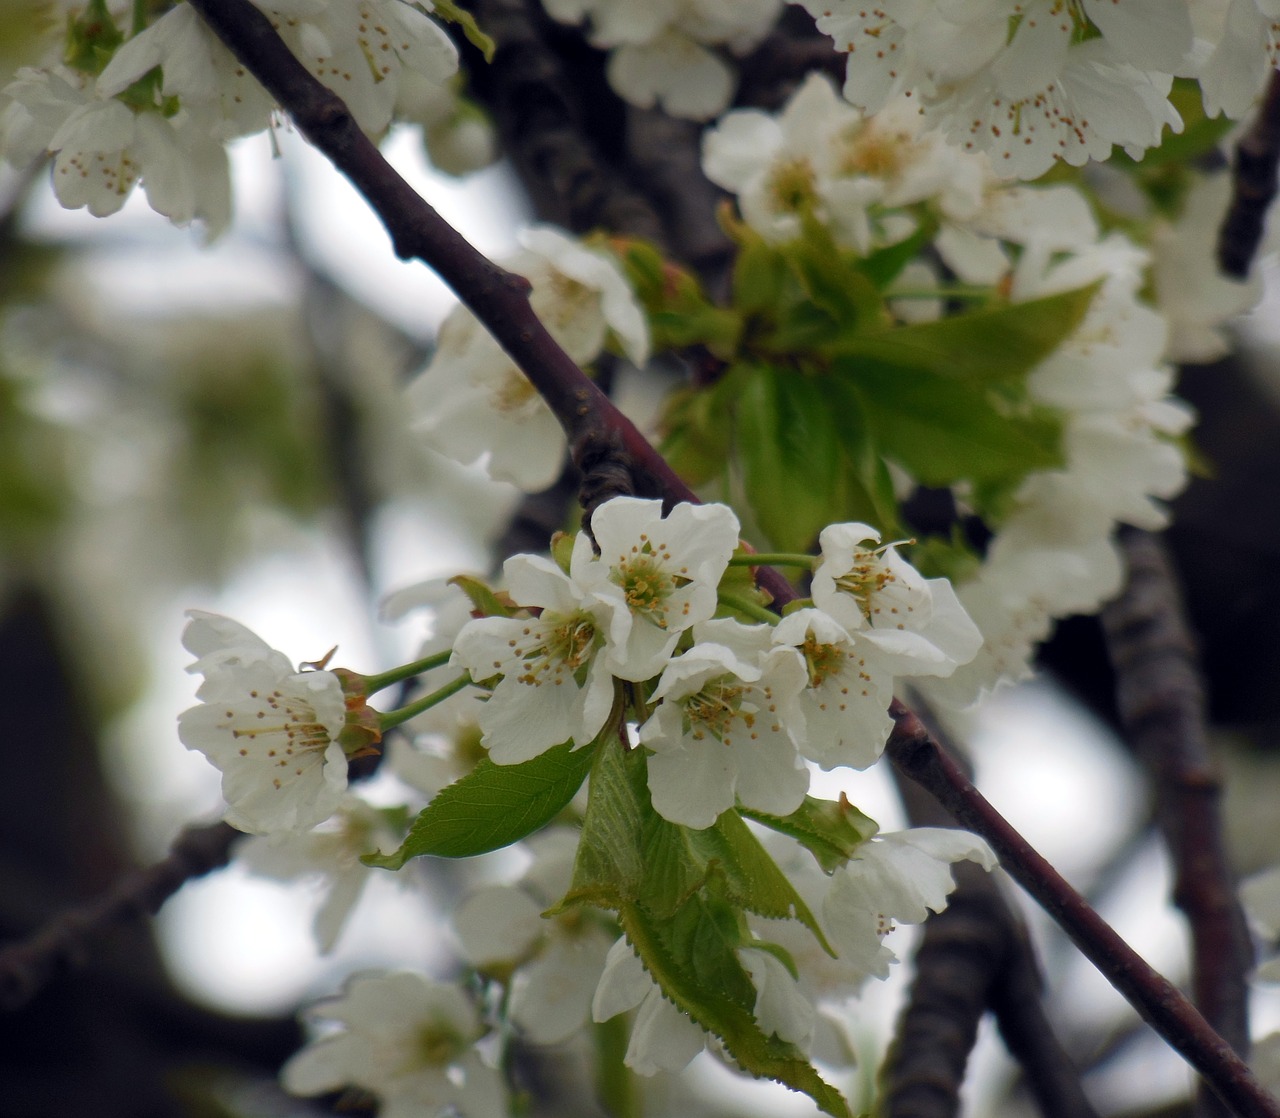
303	734
562	645
792	185
646	584
436	1045
822	660
513	392
868	577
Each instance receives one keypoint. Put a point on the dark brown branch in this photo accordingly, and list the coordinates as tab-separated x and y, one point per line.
27	966
546	128
500	300
974	955
1161	701
1253	186
1156	999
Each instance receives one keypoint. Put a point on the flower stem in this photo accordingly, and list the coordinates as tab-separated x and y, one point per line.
750	608
392	718
376	683
773	559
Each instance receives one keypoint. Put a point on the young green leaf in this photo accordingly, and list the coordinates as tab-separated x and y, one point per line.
944	431
986	345
676	893
695	965
493	806
788	445
831	830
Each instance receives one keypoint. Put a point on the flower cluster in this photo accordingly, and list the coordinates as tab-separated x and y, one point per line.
727	713
873	181
729	716
1033	81
158	106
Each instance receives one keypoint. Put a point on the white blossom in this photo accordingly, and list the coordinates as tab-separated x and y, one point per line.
663	1037
102	149
725	726
1019	80
661	52
917	625
361	48
407	1039
845	705
558	959
270	730
472	400
659	574
329	855
896	878
555	684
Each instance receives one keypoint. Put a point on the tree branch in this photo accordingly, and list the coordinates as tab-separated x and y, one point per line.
27	966
1161	700
975	955
499	299
547	130
1156	999
1253	186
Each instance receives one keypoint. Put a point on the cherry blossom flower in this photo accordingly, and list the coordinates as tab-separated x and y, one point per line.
197	69
102	149
658	573
361	48
555	684
559	959
845	706
270	730
329	855
472	400
725	725
917	625
407	1039
897	878
1021	81
820	156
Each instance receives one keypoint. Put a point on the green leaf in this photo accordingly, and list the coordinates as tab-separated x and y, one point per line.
986	345
455	13
699	423
789	448
675	891
494	806
752	878
884	265
943	431
487	601
609	863
831	830
696	967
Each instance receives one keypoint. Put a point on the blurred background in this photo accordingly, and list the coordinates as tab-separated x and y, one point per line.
221	428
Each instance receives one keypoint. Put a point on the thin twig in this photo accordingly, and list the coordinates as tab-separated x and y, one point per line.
1161	701
1253	186
26	967
1156	999
500	300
